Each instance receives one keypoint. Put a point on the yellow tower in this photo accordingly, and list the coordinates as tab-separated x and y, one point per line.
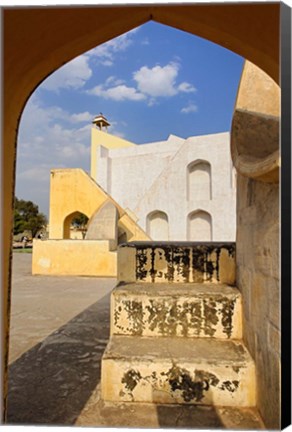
100	138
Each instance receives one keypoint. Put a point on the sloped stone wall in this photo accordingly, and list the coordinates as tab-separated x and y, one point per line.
257	256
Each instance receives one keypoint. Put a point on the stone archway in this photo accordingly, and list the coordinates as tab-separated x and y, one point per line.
250	30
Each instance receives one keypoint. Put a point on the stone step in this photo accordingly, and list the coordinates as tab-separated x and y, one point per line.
177	370
186	310
177	262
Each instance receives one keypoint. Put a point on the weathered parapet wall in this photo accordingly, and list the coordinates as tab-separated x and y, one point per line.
257	251
176	262
74	258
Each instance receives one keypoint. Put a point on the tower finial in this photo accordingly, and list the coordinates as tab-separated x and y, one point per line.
100	121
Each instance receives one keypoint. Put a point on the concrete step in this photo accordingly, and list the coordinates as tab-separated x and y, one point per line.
185	310
177	370
177	262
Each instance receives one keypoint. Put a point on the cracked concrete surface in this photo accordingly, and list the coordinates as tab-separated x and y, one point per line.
59	330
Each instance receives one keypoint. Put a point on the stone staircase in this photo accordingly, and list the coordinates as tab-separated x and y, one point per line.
176	328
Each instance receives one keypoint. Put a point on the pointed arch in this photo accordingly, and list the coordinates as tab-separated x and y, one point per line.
68	222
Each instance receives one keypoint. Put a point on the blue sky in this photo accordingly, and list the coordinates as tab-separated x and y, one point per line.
149	83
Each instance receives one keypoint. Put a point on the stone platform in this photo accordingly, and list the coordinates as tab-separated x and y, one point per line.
186	310
178	370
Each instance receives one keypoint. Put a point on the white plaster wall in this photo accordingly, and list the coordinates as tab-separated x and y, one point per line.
102	167
168	146
132	170
131	177
199	226
158	226
153	177
169	192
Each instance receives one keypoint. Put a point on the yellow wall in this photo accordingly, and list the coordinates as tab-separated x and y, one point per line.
108	141
76	234
73	190
97	260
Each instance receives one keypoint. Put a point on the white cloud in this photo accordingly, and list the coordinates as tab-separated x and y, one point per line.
40	172
189	108
82	117
117	93
107	62
160	81
151	84
186	87
113	81
157	81
72	75
123	92
107	51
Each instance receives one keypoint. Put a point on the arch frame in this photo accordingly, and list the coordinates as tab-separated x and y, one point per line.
194	213
189	170
255	36
67	220
150	218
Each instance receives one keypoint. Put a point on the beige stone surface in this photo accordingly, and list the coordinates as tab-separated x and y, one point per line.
255	126
184	310
126	264
258	280
177	370
103	225
255	81
137	415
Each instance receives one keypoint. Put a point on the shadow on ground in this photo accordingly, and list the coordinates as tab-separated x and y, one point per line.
51	383
57	382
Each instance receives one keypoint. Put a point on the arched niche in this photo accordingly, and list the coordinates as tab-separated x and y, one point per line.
199	181
199	226
69	221
157	225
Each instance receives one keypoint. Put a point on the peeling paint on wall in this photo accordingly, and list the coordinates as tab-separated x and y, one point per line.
181	262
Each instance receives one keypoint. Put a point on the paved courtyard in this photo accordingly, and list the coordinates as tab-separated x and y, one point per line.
59	330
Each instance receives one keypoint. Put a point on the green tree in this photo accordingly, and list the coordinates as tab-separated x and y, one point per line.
27	217
80	221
